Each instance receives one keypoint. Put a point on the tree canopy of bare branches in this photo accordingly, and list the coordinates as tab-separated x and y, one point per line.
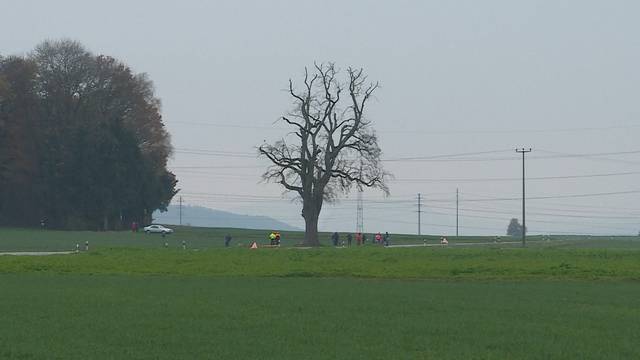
332	147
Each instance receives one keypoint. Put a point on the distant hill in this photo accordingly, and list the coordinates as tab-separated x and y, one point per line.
205	217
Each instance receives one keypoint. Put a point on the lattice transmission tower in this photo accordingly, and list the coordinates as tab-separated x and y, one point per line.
360	214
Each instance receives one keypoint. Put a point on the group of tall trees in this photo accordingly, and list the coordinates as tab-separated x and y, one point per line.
82	143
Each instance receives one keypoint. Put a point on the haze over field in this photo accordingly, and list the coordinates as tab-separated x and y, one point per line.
470	79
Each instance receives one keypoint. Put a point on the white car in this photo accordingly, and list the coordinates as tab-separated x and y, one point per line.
157	229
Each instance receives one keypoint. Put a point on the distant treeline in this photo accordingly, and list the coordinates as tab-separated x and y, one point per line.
82	143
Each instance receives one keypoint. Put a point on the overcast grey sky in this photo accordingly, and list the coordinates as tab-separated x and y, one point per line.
457	77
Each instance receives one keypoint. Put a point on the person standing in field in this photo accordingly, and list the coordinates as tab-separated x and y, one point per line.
349	238
272	238
387	238
379	238
335	237
227	240
358	238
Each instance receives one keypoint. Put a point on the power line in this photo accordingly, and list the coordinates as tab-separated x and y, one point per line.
595	156
556	155
251	201
513	131
406	202
439	225
510	213
224	152
218	167
570	207
390	203
232	126
572	155
424	132
456	157
434	157
255	177
604	225
518	179
203	153
551	196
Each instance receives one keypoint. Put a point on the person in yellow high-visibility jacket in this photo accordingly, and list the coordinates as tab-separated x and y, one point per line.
272	238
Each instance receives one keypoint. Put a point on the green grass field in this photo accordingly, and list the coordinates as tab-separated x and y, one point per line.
131	298
150	317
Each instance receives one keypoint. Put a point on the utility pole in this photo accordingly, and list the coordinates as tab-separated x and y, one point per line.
457	198
180	210
419	213
523	151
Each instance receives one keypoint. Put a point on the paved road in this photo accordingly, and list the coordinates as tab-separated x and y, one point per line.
458	244
37	253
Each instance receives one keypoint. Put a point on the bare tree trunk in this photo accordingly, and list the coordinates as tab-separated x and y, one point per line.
311	231
311	214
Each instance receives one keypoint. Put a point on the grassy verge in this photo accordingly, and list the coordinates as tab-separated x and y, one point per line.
398	263
207	238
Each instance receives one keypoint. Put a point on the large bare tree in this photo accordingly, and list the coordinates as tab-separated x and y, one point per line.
332	147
